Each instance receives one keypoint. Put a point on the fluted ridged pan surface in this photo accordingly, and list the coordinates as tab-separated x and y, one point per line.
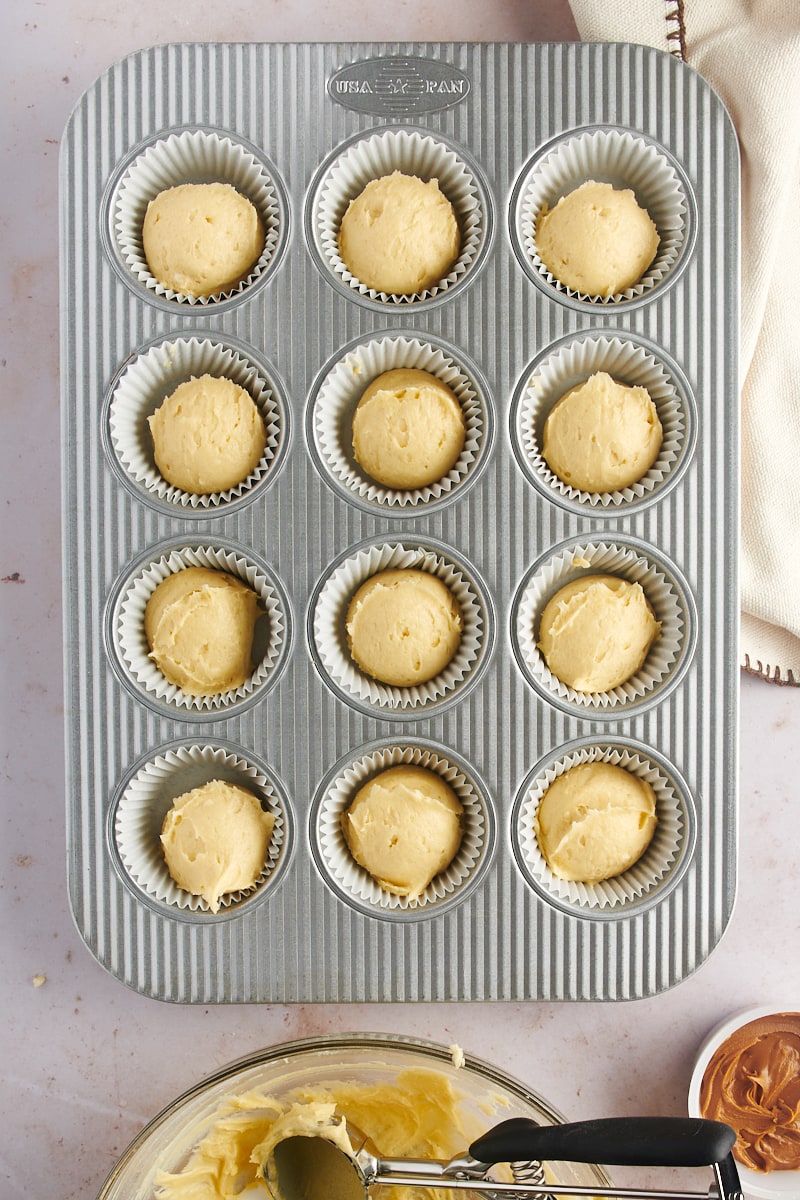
501	119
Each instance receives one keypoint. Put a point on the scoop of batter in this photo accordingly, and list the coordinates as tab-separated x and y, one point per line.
208	435
399	235
595	821
596	632
299	1162
597	240
408	429
215	840
404	827
602	435
201	238
199	624
403	626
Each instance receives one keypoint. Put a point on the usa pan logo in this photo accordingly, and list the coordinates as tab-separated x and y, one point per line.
398	86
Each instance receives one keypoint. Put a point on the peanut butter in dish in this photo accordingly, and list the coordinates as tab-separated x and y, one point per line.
752	1083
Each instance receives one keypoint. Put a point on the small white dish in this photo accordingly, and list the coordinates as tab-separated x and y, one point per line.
773	1185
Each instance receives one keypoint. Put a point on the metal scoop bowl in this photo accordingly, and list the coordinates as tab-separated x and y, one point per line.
307	1167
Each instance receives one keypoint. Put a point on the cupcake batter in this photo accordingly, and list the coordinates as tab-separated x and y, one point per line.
418	1116
208	435
602	435
596	632
215	840
595	821
404	826
408	429
403	626
201	238
199	624
597	240
399	235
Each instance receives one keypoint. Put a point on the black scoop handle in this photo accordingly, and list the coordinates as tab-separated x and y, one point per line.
615	1141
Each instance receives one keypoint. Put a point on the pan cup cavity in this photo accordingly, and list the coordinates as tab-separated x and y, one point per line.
152	375
334	400
328	634
194	156
142	801
626	160
662	864
345	175
630	361
667	593
130	653
352	882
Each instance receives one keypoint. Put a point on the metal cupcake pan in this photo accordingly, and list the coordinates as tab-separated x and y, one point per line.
307	527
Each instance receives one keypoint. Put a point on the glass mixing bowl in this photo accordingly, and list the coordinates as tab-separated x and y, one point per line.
485	1096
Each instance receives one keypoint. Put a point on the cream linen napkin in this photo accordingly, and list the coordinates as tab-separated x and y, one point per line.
749	51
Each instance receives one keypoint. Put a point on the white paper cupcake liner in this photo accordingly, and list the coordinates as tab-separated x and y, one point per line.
145	383
138	815
329	609
126	620
670	654
192	156
570	364
331	417
656	872
412	153
351	880
625	160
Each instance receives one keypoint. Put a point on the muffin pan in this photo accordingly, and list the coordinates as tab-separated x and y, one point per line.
300	129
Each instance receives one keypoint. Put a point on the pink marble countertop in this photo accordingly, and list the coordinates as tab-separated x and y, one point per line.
86	1061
